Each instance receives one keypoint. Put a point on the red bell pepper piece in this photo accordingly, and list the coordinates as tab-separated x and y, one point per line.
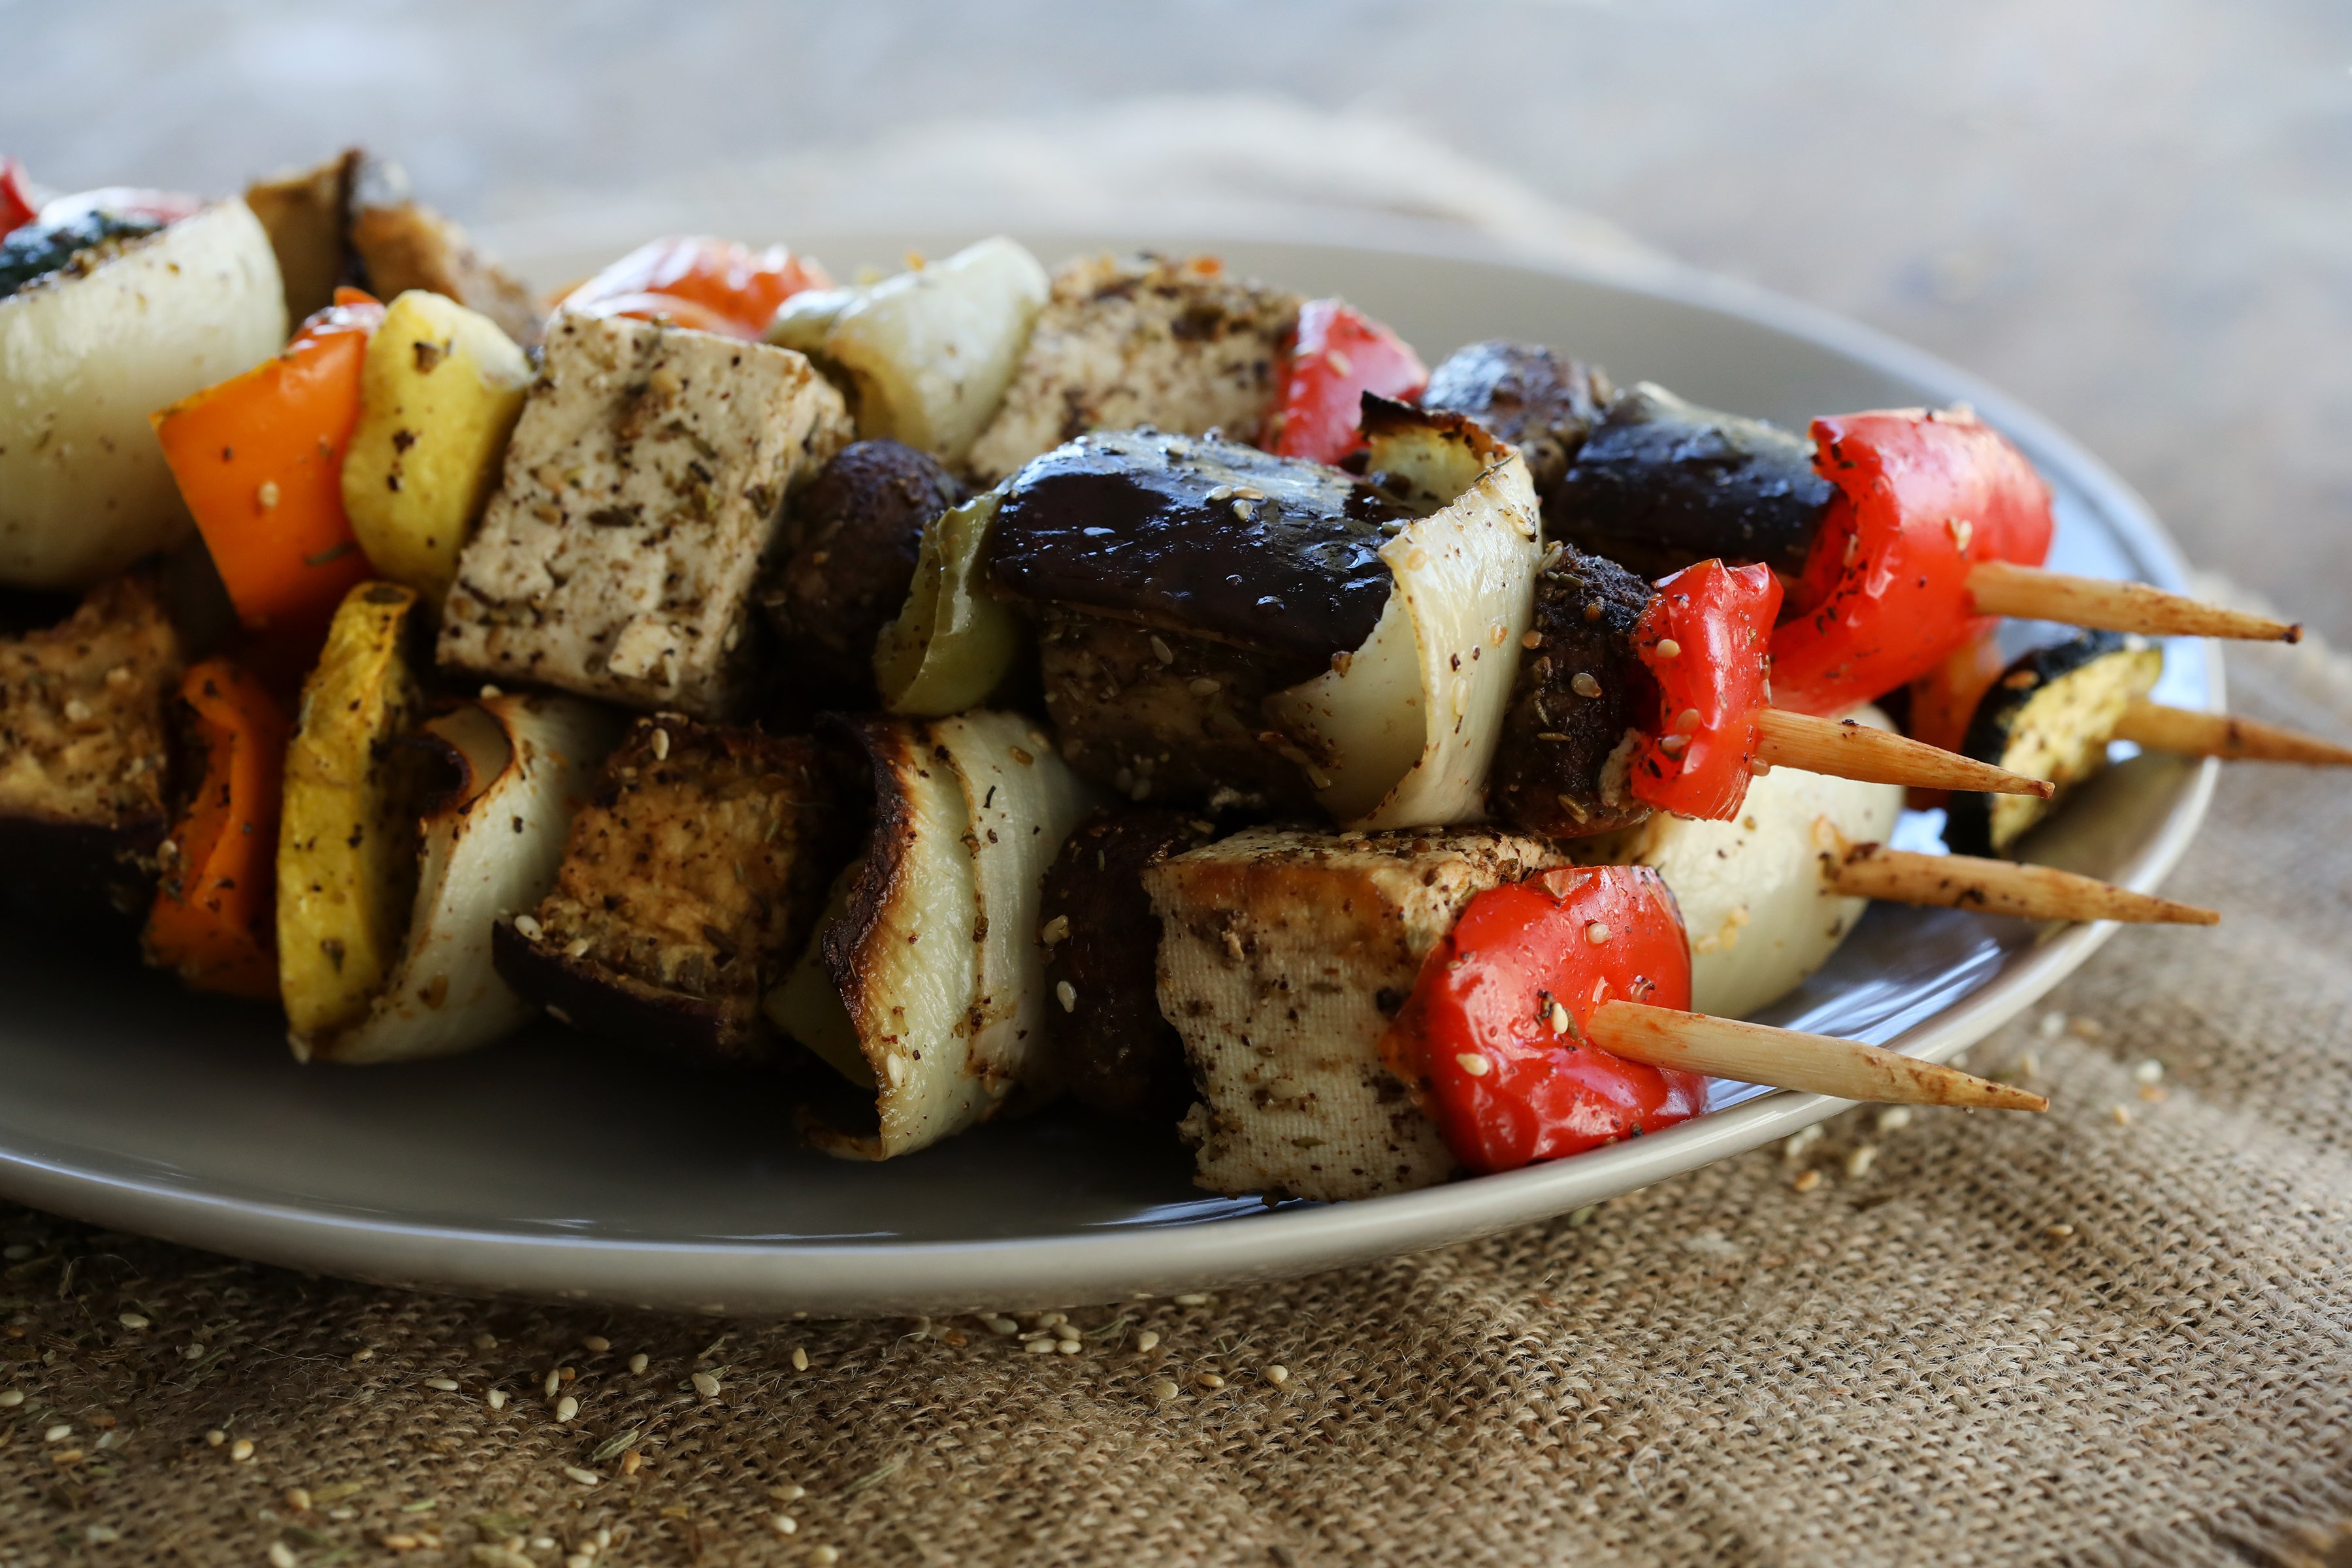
1923	496
1705	638
17	207
710	285
1337	355
259	459
1493	1033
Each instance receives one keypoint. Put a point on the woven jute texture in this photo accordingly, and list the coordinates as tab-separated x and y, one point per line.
2119	1333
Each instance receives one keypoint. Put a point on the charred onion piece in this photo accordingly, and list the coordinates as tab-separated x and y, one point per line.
1581	687
1115	1052
1539	401
1661	484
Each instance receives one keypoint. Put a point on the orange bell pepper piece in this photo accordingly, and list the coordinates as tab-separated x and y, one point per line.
214	918
259	460
710	285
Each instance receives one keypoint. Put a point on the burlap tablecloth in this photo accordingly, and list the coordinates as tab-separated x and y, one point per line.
2118	1333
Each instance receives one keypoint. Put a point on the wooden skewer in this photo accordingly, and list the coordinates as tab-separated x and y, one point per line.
2000	588
1789	1059
1849	750
2218	735
1995	886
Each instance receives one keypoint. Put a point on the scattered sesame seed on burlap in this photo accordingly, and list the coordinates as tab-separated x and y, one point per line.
1997	1339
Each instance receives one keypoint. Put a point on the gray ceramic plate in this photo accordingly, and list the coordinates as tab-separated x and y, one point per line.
554	1168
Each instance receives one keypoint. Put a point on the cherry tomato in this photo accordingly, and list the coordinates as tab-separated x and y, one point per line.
1493	1034
1338	355
1923	496
1705	637
711	284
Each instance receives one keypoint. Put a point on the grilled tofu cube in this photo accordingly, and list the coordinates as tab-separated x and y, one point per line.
1141	340
689	884
83	805
1282	956
642	487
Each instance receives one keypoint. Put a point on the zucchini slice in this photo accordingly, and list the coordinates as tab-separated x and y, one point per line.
2049	716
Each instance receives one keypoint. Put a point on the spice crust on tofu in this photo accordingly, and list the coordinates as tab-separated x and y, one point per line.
1141	340
641	487
83	747
690	881
1282	956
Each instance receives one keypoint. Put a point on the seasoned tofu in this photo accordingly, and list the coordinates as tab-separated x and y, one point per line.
1282	956
689	884
642	487
1141	340
83	750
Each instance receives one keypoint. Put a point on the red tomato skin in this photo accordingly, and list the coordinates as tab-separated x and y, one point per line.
710	285
1923	496
1720	619
1486	993
1337	355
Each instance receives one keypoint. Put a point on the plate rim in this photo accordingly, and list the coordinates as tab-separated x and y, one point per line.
836	1278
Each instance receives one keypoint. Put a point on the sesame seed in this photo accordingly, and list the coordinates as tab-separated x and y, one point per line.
12	1398
1893	1118
299	1498
2057	1232
585	1478
1672	745
1160	651
1191	1299
638	1363
790	1491
1202	686
576	948
1163	1390
77	710
135	1320
1054	929
1249	492
1687	720
1531	639
800	1359
530	928
1042	1345
215	1436
997	1325
1474	1064
1584	684
281	1555
489	691
580	1560
554	1381
486	1341
706	1385
1277	1374
1596	933
2149	1071
631	1462
1209	1380
661	745
1148	1340
1223	492
785	1524
824	1556
445	1384
1962	532
1859	1160
1067	994
2123	1116
1072	1347
1245	509
2052	1025
1669	648
241	1451
101	1535
496	1399
57	1433
266	494
1561	1022
1806	1181
566	1408
1339	362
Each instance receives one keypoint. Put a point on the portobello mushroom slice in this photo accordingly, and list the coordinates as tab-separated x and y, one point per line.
1661	484
688	885
1544	404
925	987
858	530
2049	716
1101	939
84	794
1580	694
